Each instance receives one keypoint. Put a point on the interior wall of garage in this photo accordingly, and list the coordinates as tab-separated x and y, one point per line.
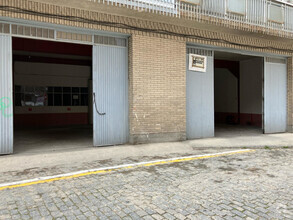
50	64
251	95
45	75
48	74
243	106
226	96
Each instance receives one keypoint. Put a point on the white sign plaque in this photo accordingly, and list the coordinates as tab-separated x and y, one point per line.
197	63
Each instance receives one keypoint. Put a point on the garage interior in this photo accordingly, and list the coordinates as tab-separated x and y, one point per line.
238	94
52	95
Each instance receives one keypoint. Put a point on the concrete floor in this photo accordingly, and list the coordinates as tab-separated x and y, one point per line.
76	138
223	130
46	140
236	136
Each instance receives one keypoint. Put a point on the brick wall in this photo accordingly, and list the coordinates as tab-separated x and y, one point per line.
157	79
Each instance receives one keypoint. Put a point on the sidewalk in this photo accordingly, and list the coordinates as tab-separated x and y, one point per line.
43	162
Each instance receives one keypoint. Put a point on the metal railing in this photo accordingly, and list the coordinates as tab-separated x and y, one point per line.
266	16
164	7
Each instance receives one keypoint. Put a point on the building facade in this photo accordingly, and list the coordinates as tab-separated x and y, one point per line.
156	68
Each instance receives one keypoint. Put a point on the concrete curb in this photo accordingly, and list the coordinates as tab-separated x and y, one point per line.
243	147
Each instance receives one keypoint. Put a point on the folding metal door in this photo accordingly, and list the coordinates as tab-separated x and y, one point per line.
200	97
110	95
6	99
275	95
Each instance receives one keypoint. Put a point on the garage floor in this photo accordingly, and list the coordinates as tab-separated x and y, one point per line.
224	130
78	138
52	139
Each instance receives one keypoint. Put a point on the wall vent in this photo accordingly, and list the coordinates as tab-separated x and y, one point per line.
115	41
74	36
32	31
275	60
59	35
4	28
199	51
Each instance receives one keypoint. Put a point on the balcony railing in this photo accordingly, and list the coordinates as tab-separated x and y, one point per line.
266	16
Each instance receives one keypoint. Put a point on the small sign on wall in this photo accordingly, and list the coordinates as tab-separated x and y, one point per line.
197	63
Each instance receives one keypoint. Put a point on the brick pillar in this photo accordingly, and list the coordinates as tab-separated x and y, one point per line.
157	89
290	94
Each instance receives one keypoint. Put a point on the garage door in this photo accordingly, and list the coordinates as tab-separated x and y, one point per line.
6	104
110	95
275	95
199	93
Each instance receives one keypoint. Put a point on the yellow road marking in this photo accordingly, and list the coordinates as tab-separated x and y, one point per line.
123	168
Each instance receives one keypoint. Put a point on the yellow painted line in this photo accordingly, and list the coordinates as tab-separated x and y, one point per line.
109	170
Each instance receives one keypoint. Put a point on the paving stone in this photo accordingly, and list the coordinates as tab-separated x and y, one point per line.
15	217
240	214
168	216
248	186
141	213
157	216
148	217
179	216
25	217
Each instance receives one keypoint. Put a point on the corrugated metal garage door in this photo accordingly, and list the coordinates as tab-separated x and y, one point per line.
110	90
200	98
275	95
6	100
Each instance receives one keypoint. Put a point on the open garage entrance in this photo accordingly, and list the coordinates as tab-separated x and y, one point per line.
67	92
238	94
232	94
52	95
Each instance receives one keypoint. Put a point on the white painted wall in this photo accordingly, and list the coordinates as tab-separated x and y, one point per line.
251	86
226	94
47	74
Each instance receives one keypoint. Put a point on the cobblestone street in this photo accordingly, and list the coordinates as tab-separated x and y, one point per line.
255	185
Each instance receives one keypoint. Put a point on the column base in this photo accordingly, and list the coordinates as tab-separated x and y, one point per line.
157	137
